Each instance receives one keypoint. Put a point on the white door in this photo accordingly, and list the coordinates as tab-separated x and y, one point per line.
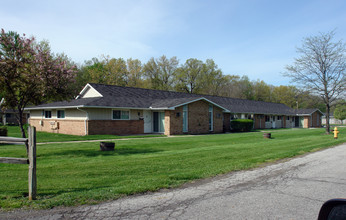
147	121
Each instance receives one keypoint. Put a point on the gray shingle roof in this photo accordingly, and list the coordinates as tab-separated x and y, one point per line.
129	97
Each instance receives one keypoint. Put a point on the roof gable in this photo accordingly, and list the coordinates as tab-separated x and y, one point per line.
302	112
89	92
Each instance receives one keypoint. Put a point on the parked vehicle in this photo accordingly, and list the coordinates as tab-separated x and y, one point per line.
334	209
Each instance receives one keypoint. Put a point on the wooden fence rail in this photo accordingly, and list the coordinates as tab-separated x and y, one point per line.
31	160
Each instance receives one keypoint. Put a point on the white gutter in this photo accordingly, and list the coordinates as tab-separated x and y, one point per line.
84	106
85	121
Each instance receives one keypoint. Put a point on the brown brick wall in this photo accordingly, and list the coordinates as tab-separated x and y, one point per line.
115	127
198	119
306	122
283	122
74	127
316	119
217	118
226	122
259	123
174	123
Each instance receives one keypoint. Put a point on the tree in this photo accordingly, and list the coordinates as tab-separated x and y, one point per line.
340	112
135	75
93	71
246	88
116	71
213	78
160	72
262	91
321	68
287	95
31	74
189	77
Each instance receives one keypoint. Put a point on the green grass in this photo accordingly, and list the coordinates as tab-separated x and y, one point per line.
14	131
78	173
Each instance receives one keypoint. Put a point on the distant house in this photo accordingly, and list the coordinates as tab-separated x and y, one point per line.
9	117
333	120
107	109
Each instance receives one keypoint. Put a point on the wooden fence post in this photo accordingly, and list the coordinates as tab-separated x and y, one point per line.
32	163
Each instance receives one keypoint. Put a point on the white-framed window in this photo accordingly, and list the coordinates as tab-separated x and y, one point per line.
185	119
121	115
288	118
60	113
279	117
211	118
47	114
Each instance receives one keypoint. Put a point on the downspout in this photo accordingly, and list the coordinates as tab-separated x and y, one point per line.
85	121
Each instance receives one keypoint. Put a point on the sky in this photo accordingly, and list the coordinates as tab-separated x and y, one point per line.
256	38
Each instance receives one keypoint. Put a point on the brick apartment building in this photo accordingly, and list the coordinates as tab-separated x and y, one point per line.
107	109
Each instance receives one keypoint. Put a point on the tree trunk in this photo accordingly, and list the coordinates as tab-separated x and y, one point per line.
21	125
327	118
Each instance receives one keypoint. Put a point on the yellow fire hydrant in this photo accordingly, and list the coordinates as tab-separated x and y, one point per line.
336	132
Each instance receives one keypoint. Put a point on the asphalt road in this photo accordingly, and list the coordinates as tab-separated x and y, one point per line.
294	189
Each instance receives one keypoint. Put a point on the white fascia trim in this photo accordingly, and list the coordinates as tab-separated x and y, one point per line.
53	107
202	98
258	113
158	109
84	106
85	88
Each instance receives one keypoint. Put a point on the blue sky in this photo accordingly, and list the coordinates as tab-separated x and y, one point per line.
257	38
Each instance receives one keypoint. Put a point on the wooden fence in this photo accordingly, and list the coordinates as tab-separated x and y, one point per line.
31	160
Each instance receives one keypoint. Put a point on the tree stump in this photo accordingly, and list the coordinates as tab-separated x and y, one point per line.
107	146
267	135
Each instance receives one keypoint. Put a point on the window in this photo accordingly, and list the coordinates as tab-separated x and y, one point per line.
61	114
48	114
288	118
185	115
121	115
8	115
210	118
267	118
279	117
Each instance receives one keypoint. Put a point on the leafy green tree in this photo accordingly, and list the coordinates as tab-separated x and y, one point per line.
321	68
116	71
93	71
189	77
31	74
246	88
262	91
134	77
213	79
286	95
160	72
340	112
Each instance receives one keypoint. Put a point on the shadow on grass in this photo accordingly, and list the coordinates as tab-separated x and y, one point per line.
98	152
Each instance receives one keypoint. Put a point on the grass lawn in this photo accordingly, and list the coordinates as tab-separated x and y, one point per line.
14	131
78	173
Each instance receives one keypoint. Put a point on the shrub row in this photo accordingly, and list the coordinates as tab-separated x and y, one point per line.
241	125
3	131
